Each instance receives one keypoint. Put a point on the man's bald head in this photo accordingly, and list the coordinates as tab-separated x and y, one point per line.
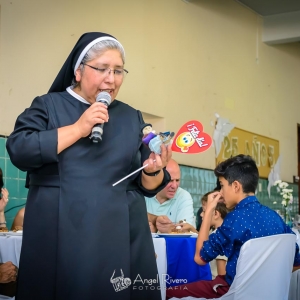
170	190
173	166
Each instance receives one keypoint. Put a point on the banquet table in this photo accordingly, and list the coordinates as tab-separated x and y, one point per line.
174	258
161	261
175	262
10	249
181	266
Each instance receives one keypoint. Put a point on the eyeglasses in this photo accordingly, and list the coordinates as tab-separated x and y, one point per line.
120	73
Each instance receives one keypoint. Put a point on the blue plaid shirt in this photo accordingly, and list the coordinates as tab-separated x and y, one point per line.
248	220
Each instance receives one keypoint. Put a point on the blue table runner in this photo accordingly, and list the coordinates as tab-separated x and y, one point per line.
181	265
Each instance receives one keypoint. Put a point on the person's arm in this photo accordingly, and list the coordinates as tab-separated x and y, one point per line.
34	142
18	220
205	226
152	222
8	272
152	228
295	268
221	266
68	135
3	203
152	218
2	220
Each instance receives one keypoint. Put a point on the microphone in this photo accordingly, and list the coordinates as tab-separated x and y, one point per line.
97	130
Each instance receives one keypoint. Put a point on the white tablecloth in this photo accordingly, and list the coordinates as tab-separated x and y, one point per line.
161	261
10	249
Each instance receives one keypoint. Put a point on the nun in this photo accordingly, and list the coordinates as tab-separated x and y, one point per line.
84	238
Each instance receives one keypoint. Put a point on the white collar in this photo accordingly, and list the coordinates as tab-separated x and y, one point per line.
75	95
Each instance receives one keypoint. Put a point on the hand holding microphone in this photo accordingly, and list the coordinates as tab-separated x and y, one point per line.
95	114
97	131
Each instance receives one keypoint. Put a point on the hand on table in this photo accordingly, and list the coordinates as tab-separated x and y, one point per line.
8	272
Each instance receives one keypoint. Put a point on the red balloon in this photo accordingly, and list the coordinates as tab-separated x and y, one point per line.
191	138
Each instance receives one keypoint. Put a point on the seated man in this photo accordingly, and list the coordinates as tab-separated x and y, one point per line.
247	219
170	205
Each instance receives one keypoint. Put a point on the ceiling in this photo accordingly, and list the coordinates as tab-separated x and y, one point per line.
281	19
271	7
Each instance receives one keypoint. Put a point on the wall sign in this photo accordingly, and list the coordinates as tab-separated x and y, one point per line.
264	150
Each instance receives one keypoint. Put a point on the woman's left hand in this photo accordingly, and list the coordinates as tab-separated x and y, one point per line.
158	161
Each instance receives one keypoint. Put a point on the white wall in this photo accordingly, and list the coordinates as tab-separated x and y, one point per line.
186	61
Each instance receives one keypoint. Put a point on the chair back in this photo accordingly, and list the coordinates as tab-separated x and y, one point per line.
264	269
294	293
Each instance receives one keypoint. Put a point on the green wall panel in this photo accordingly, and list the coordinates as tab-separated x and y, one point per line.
195	180
200	181
14	181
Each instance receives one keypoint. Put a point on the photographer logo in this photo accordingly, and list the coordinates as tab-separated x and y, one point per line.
120	283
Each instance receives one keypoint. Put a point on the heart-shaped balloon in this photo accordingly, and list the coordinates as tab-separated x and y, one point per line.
191	138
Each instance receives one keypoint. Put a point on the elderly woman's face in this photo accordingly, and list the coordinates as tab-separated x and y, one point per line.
93	81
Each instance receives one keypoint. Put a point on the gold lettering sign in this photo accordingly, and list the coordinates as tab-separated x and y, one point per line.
264	150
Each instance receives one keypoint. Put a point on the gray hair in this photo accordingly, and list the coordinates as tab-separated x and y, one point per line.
97	50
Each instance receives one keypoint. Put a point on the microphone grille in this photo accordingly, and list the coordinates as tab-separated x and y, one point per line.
104	97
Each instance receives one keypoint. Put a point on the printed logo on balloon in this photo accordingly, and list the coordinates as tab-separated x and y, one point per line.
191	138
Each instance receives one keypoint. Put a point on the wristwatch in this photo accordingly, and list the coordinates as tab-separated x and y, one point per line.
153	173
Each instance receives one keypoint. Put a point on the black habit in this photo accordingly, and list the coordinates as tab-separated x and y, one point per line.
81	233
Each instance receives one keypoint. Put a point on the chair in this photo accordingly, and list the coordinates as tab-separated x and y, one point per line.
294	293
264	269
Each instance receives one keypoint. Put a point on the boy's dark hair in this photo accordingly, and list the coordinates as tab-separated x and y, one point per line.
221	208
205	196
241	168
1	180
218	186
